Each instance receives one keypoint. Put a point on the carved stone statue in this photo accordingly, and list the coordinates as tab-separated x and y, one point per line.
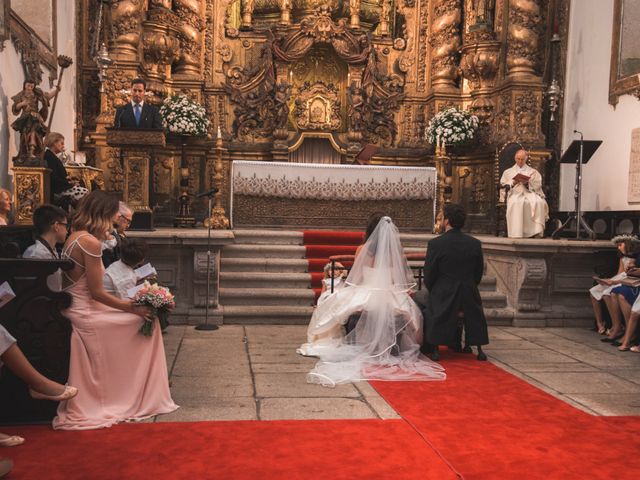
356	103
282	95
32	107
483	10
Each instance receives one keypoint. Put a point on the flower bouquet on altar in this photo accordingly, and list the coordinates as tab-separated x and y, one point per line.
451	127
161	302
183	116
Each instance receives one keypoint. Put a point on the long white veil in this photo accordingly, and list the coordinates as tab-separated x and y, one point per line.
385	343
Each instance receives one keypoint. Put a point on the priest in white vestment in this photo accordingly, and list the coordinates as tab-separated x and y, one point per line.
527	210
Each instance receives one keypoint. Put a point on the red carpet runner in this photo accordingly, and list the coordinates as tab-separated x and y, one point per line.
282	450
490	424
321	244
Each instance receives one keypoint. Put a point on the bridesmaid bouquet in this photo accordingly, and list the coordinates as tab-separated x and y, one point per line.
161	301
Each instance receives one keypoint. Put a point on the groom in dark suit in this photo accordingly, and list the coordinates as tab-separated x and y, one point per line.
452	271
138	113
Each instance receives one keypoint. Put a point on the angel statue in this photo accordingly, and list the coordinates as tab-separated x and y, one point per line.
32	107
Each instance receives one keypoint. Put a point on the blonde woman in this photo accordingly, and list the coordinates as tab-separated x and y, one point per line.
121	374
60	185
5	206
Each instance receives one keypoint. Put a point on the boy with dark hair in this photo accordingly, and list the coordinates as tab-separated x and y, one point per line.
121	275
51	226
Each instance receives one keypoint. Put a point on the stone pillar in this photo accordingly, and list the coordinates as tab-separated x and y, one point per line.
445	42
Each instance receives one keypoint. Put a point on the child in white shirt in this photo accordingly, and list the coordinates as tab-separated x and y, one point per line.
121	276
339	277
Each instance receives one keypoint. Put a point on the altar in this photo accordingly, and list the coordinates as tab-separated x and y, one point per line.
304	195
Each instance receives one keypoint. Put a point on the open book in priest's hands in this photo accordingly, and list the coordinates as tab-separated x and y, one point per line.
521	178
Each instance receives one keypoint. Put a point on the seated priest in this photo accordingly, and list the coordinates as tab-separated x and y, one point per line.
527	210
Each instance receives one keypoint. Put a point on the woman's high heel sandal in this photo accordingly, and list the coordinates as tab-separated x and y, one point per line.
12	441
69	392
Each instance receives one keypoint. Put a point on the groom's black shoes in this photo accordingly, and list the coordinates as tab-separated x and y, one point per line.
481	355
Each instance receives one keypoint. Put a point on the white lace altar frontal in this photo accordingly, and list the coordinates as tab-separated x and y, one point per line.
335	182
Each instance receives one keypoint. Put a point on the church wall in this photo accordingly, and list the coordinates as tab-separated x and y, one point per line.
605	177
11	78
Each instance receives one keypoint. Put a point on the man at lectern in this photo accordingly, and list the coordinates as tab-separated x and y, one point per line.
527	210
137	113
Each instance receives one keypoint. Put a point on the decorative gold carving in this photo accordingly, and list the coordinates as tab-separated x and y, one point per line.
31	188
317	107
421	81
136	179
445	41
218	219
159	43
190	27
247	12
527	117
88	177
354	13
126	16
523	55
479	64
115	178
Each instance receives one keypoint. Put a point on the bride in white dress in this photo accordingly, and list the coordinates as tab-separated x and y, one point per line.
385	342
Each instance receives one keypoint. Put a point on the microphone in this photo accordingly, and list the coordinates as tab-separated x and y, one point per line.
208	193
577	131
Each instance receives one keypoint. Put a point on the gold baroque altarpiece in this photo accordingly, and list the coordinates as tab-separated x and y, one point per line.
361	71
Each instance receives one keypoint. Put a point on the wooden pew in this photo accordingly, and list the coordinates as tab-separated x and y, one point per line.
43	333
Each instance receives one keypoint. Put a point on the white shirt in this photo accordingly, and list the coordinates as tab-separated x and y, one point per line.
40	251
118	278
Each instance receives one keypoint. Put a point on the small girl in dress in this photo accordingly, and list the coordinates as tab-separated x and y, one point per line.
120	276
628	246
339	276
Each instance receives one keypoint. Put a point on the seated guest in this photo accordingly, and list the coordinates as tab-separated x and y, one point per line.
527	210
5	206
121	275
60	185
111	246
105	339
50	223
626	297
628	247
631	337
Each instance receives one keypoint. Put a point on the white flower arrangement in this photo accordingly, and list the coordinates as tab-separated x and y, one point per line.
182	116
451	127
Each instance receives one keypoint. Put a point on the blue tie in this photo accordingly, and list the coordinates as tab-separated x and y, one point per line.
136	112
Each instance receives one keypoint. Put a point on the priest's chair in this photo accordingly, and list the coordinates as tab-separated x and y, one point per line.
504	160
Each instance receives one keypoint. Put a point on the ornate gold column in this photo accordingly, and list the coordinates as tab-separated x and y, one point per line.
30	189
126	18
247	13
523	38
191	25
160	44
445	42
354	13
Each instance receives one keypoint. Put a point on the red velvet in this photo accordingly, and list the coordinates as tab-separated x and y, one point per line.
326	251
332	237
491	425
332	450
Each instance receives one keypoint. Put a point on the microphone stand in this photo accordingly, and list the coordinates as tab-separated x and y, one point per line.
205	326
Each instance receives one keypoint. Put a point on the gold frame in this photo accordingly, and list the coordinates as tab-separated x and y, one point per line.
629	85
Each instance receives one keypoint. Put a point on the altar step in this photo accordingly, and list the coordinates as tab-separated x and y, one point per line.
264	279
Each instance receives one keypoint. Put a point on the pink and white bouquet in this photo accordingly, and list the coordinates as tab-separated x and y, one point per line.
161	301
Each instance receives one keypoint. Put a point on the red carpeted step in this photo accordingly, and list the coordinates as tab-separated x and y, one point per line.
332	237
316	279
316	264
326	251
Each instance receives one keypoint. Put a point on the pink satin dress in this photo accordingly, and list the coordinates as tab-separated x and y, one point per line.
121	375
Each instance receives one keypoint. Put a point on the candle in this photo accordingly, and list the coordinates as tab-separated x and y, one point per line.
348	78
437	142
290	76
219	132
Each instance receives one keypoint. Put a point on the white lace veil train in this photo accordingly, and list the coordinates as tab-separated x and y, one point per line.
385	343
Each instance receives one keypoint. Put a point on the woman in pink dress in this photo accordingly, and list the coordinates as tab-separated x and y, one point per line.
121	374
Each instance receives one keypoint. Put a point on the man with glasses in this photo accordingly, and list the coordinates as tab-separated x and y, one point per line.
51	226
111	247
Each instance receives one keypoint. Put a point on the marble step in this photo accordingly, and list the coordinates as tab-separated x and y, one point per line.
263	265
264	280
493	299
269	237
267	296
271	315
263	251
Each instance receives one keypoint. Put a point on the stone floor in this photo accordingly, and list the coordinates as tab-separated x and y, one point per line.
253	373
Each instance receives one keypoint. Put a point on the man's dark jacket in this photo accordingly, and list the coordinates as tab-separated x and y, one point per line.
149	117
452	271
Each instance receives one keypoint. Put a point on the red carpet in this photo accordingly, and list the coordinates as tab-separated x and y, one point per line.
322	244
332	450
491	425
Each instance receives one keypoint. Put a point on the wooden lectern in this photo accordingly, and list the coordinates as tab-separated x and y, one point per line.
136	154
